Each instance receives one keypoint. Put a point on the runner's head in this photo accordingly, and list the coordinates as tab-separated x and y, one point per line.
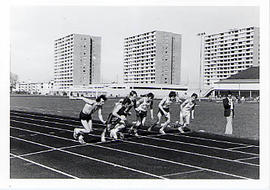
194	96
150	96
133	95
101	99
229	94
172	95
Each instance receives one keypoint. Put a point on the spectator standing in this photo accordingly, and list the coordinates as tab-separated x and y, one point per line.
229	113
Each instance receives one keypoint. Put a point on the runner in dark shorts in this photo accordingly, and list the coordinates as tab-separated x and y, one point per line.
144	104
129	101
164	110
86	116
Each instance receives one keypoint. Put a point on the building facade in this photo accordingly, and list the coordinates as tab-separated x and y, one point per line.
244	84
122	90
77	60
153	57
39	88
227	53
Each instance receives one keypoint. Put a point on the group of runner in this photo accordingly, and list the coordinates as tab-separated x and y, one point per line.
117	119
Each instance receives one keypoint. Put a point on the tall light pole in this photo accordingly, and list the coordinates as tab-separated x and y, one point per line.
200	76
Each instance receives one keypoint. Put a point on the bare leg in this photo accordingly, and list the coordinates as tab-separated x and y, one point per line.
87	129
163	125
156	123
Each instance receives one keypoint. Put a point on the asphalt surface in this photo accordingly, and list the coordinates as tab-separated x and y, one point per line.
42	146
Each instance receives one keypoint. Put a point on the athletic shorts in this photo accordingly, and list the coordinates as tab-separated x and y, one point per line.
113	120
84	116
165	109
184	117
141	114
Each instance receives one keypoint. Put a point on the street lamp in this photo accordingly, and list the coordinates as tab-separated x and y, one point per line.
200	88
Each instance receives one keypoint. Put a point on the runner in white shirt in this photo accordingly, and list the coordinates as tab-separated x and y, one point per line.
185	109
164	110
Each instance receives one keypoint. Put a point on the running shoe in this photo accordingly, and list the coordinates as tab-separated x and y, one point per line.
113	134
81	140
181	130
187	129
75	134
103	139
121	135
161	131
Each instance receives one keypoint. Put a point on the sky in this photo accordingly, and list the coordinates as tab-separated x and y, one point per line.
33	30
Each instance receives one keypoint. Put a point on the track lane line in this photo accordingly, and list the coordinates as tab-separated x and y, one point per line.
186	136
143	144
68	130
192	153
214	140
251	146
49	168
102	161
180	142
248	158
210	147
181	173
224	173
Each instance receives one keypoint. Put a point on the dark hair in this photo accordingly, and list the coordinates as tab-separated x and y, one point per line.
150	95
229	92
195	95
101	97
126	101
132	93
172	94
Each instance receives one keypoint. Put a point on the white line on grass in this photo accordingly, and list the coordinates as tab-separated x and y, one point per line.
149	156
200	138
49	168
192	153
102	161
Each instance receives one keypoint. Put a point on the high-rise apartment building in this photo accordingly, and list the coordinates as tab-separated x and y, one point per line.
152	57
227	53
76	61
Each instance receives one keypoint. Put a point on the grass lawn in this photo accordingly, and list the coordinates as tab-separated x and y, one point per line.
208	115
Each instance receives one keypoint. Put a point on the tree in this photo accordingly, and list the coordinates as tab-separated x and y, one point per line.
13	81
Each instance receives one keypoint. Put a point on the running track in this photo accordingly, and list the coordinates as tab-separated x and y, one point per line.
42	146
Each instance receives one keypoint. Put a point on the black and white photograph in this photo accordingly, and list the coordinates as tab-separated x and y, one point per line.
141	95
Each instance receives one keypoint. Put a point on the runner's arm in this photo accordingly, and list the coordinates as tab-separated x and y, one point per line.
100	116
88	101
138	103
151	110
115	110
161	104
183	104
